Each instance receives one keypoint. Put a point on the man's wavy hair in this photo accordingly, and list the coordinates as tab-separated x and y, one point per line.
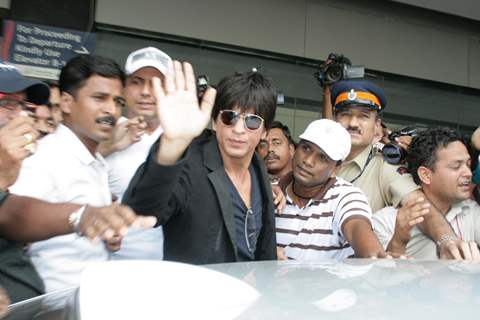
423	148
249	92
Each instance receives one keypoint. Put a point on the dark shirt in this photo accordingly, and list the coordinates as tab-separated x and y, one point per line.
249	229
192	202
17	274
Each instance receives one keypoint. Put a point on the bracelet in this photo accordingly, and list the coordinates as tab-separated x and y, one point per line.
74	219
445	238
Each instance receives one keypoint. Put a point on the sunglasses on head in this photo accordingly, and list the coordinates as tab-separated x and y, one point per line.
251	121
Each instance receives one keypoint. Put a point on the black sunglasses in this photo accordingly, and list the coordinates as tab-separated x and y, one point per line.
230	118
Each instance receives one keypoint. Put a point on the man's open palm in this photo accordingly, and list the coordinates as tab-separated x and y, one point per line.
181	117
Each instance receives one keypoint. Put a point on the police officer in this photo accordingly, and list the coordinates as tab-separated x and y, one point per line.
357	106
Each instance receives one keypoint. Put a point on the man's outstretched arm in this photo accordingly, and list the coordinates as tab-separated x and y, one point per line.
359	234
26	219
437	228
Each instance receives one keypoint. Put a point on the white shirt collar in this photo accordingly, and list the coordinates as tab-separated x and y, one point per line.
458	209
76	147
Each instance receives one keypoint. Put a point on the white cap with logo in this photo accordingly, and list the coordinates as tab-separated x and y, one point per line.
329	136
147	57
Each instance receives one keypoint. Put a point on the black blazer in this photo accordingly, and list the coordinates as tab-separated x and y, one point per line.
191	200
17	274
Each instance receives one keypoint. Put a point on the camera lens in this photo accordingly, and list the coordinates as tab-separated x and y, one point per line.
392	153
334	73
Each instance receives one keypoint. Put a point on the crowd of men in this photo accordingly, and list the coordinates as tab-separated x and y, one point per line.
80	183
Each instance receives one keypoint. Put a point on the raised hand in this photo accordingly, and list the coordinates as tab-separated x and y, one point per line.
279	199
124	135
404	141
408	216
17	141
180	115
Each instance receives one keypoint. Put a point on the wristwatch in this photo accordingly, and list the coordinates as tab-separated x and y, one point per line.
74	219
3	195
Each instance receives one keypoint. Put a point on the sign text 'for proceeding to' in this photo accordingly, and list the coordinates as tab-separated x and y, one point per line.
41	51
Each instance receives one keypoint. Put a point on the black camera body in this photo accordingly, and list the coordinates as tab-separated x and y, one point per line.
337	67
202	85
392	152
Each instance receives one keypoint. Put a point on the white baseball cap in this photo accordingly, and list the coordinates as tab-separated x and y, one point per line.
329	136
147	57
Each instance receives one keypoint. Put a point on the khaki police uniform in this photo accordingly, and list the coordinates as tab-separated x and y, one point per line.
383	183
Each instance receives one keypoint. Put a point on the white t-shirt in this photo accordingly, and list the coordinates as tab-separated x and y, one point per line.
315	231
464	217
63	170
138	243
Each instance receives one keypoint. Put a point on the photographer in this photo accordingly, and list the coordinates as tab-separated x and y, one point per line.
394	144
335	68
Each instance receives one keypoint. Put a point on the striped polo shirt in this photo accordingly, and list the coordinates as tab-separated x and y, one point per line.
315	231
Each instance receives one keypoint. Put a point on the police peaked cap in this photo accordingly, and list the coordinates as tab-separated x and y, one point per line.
358	93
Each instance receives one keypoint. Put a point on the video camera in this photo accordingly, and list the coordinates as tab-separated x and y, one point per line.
392	152
337	67
202	85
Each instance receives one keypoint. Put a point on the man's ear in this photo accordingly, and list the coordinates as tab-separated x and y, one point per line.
425	175
336	168
378	126
291	148
66	100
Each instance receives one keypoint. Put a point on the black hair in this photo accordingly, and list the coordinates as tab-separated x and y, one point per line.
423	148
285	130
51	83
79	69
247	91
474	153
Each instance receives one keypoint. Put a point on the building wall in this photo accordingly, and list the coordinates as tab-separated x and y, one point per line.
382	35
281	37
